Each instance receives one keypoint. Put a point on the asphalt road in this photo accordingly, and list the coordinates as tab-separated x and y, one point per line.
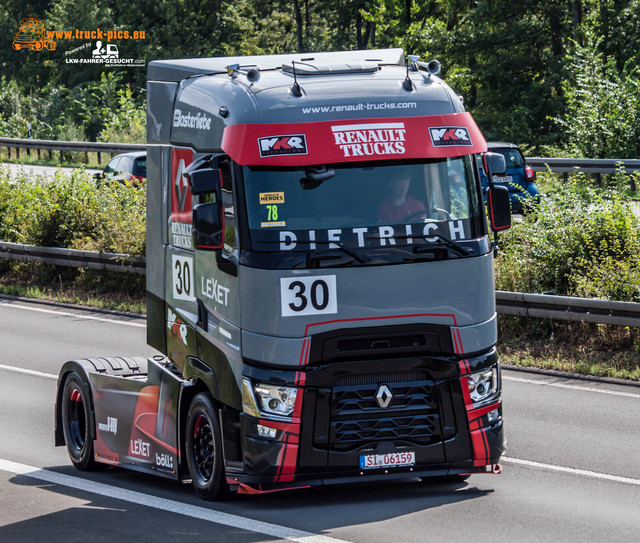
572	470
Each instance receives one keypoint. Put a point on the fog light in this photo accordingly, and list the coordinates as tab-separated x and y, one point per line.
493	416
265	431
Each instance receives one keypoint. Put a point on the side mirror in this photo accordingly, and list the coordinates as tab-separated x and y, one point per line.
494	164
499	207
208	217
208	225
204	180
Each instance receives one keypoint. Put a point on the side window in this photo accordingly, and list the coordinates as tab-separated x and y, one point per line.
140	166
230	236
125	165
110	168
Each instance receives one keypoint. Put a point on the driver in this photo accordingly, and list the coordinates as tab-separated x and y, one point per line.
398	206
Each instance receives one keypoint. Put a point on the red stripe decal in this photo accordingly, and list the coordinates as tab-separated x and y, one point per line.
281	457
486	443
457	332
304	353
477	413
478	448
456	348
468	402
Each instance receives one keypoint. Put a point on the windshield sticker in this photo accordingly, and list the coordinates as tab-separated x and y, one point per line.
447	136
370	139
295	144
272	197
373	236
272	215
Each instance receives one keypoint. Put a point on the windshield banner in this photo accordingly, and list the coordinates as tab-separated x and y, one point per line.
327	142
360	237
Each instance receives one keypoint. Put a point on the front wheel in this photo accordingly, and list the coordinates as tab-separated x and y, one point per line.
76	413
204	449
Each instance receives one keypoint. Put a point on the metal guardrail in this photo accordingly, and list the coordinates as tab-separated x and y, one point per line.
544	306
82	146
539	164
537	306
586	165
58	256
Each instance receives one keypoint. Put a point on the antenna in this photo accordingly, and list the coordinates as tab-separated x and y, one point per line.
295	89
407	84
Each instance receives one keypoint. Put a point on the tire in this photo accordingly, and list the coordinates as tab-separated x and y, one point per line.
76	422
204	449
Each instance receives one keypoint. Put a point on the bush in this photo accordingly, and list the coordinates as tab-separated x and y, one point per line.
579	242
68	210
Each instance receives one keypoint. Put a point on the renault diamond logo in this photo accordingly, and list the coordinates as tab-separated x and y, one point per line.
181	185
384	396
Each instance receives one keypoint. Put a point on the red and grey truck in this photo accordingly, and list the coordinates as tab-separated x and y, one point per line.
319	282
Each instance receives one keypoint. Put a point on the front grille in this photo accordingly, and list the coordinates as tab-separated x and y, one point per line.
357	418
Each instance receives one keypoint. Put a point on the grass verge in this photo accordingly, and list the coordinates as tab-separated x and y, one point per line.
102	290
589	349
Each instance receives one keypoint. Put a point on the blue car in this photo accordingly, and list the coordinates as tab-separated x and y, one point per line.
520	178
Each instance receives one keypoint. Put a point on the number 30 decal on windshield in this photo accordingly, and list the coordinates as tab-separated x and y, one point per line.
308	295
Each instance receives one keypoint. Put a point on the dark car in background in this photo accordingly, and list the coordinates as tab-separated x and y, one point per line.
128	167
520	178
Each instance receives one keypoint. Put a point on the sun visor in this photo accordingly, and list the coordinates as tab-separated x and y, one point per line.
328	142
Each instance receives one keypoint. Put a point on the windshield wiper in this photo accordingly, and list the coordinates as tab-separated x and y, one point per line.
460	249
317	256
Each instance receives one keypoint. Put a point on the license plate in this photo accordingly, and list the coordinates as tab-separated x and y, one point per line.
391	460
503	179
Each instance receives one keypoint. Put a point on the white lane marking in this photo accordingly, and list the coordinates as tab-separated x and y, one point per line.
193	511
65	314
28	372
572	387
573	471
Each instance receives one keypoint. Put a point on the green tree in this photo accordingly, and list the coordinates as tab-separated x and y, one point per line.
602	119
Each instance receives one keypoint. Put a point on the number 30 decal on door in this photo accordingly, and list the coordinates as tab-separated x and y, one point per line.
308	295
183	284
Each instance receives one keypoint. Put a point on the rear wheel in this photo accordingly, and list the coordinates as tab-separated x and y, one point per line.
76	413
204	449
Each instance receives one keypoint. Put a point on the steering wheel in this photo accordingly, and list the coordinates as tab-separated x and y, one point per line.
447	215
420	214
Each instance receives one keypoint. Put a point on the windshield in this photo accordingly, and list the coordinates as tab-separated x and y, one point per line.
363	205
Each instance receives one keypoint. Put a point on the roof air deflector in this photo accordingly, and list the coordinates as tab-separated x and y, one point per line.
356	67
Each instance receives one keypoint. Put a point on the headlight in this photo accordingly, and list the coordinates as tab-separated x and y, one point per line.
260	399
483	385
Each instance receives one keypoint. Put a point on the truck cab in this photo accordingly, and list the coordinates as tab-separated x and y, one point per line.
319	276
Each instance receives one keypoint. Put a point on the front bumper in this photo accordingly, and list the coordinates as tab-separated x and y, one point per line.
337	421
